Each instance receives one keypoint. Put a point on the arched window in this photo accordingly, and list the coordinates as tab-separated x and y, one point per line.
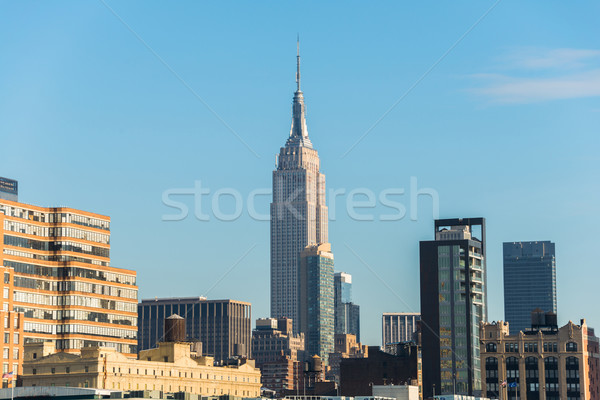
571	346
551	372
512	374
491	347
491	377
573	385
532	378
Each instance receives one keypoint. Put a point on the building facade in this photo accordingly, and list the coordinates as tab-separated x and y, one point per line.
359	375
398	327
453	304
529	281
283	375
223	326
347	314
346	346
11	329
62	279
542	363
316	300
298	210
171	367
274	338
9	189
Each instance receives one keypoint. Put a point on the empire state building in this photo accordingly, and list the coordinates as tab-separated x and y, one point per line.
298	210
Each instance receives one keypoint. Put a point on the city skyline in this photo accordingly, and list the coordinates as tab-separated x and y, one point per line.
133	131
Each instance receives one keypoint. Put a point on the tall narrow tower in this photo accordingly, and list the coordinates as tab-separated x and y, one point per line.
298	210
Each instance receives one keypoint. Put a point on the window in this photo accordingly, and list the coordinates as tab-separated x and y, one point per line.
15	353
491	347
6	337
511	347
532	381
491	373
33	371
87	368
5	353
551	367
512	371
53	370
16	338
573	384
571	346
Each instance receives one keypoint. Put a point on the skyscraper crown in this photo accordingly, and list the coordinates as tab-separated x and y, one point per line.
299	131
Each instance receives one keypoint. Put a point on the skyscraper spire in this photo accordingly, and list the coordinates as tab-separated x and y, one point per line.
299	131
298	63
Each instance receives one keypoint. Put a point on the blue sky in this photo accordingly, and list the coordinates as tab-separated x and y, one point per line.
505	126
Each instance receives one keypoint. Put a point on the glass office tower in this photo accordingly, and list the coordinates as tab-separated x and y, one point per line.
347	314
453	304
529	281
316	311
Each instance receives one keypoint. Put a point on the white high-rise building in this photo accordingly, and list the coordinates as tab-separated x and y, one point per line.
298	210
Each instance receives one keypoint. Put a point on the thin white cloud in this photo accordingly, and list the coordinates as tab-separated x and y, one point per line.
532	58
543	75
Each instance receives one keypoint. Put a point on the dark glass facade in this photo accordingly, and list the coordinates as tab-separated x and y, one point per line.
529	281
223	326
453	305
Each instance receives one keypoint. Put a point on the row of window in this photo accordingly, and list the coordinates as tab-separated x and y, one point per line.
68	272
73	300
77	315
6	353
46	231
55	258
50	217
7	322
7	338
530	347
63	344
551	373
56	246
74	286
97	331
15	368
34	327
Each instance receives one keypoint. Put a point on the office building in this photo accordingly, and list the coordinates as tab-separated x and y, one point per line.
9	189
453	304
63	282
544	362
398	327
298	210
223	326
529	281
171	367
347	314
274	338
316	300
359	375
